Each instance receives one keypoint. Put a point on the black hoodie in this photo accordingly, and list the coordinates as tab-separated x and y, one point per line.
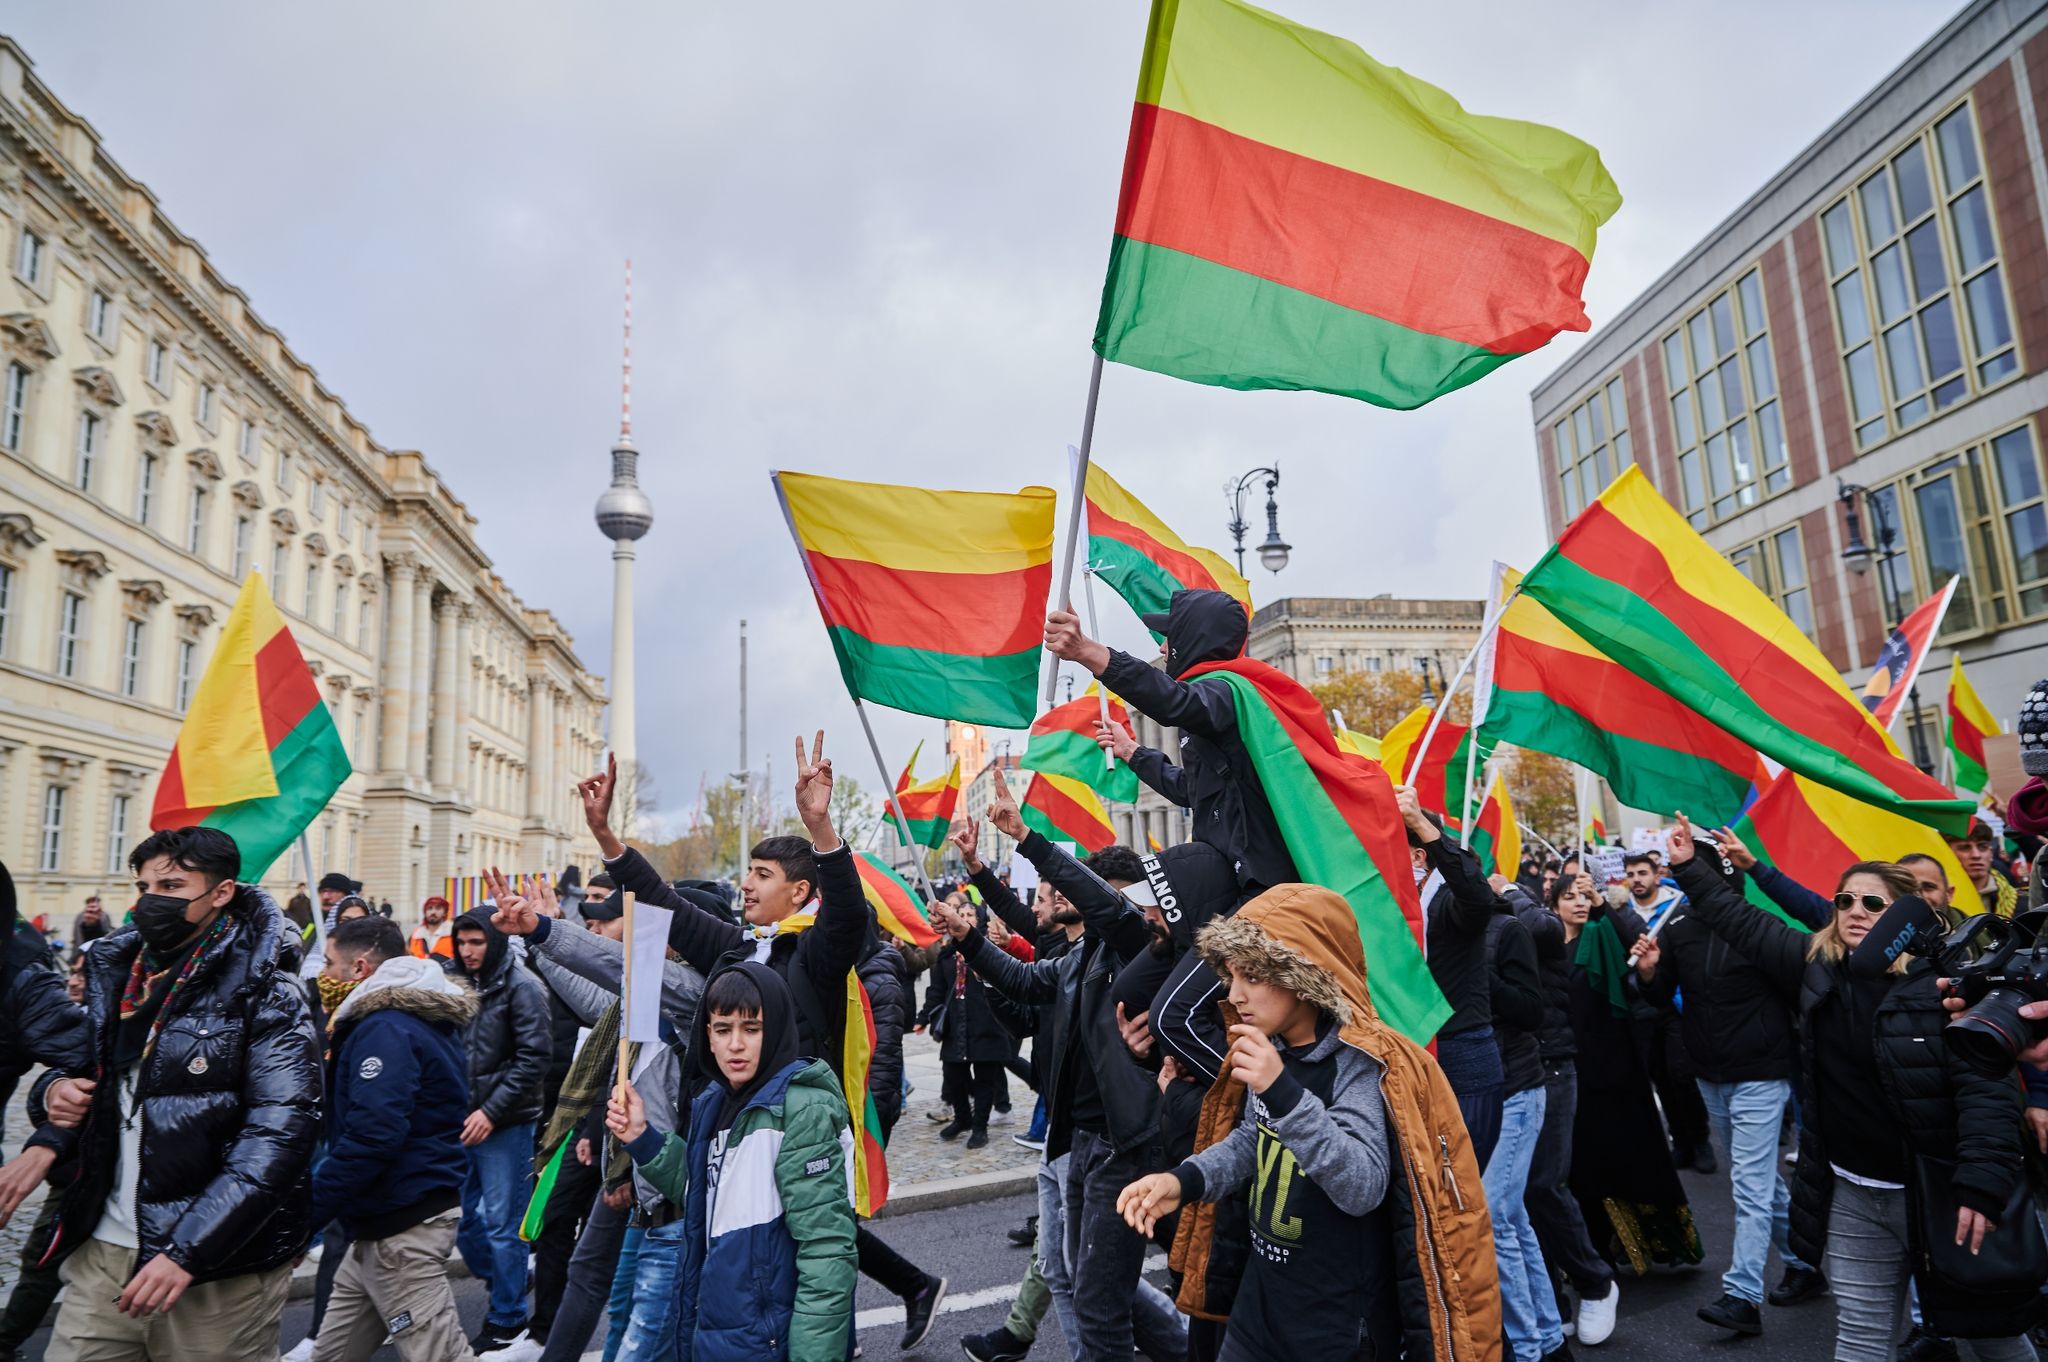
1214	779
510	1039
778	1038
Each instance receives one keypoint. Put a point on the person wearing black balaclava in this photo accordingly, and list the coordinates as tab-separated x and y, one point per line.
192	1120
1215	779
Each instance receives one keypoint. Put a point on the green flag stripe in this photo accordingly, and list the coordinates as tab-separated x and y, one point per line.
1664	780
1066	753
311	764
1000	691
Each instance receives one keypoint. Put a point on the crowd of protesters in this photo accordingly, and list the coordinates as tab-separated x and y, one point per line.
229	1087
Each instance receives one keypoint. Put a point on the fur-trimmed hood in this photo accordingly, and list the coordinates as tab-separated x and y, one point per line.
1303	938
410	984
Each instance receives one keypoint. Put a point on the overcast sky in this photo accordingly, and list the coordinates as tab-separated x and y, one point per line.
868	241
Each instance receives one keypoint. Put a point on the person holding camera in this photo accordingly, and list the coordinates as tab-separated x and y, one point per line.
1909	1158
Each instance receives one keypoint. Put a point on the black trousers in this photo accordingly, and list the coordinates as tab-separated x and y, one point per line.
973	1087
576	1183
587	1292
1662	1048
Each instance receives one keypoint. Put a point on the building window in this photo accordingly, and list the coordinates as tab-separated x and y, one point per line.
117	835
1776	564
91	434
284	471
158	363
99	311
1323	665
280	558
246	446
195	518
316	500
342	524
131	658
362	706
1724	405
188	656
240	567
1914	265
1372	664
206	405
6	603
145	487
28	257
52	852
70	633
1592	446
312	589
363	623
14	406
340	606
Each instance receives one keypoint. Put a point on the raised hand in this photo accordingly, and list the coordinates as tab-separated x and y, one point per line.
966	835
1002	809
1115	739
1064	640
626	1120
1411	814
515	916
1742	857
596	794
814	793
1678	842
956	923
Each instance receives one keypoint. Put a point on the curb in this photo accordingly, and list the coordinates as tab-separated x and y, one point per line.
964	1190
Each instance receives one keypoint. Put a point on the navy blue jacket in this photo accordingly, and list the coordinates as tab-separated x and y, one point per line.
398	1086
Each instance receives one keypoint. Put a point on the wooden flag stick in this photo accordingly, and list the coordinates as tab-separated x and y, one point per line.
625	1002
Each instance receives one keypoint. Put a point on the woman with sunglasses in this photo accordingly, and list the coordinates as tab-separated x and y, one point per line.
1888	1095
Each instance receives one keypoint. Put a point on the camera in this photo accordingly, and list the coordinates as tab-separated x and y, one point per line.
1996	966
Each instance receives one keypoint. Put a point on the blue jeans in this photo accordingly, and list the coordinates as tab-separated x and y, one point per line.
1471	1064
494	1196
1111	1309
651	1333
1745	1118
1052	1249
1040	1118
619	1308
1528	1305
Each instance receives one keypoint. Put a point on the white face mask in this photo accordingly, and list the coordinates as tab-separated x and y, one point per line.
1420	873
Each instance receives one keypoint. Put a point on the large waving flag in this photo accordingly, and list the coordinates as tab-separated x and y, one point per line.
1969	724
857	1051
1631	577
1063	809
896	907
927	807
1336	812
1295	214
258	755
934	600
1542	687
1063	743
1141	559
1813	834
1905	648
1496	837
1440	780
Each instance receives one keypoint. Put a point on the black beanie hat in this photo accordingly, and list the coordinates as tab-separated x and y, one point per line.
2034	730
338	882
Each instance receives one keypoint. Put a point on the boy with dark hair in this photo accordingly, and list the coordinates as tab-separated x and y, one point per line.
193	1123
1367	1227
764	1179
394	1168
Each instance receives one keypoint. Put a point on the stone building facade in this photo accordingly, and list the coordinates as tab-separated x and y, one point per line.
158	442
1312	638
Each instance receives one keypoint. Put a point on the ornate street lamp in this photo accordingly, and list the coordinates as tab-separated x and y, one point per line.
1273	552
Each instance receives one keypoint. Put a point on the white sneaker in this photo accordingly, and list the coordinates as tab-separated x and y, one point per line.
302	1353
1596	1317
999	1118
524	1348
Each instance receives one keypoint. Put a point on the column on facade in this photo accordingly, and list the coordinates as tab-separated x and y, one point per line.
560	757
536	791
465	683
396	678
446	621
422	673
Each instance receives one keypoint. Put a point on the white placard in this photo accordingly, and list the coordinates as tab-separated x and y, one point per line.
1604	864
646	951
1023	874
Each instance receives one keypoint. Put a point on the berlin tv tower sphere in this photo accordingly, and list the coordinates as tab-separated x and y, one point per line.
623	511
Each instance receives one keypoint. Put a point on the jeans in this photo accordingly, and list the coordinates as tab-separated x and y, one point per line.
619	1305
494	1195
1553	1210
651	1333
1869	1266
1745	1118
590	1277
1040	1117
1528	1306
1471	1064
1107	1298
1050	1261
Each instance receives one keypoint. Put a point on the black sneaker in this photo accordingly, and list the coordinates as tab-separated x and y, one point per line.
1027	1237
978	1140
920	1310
1703	1160
1561	1353
1798	1286
1734	1314
492	1337
997	1345
1921	1346
953	1130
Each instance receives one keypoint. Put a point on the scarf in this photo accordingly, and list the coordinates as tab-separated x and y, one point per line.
587	1084
1605	962
152	985
332	994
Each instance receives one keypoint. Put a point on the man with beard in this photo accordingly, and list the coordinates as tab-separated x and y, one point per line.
435	936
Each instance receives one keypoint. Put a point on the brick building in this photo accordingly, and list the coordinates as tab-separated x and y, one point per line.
1867	334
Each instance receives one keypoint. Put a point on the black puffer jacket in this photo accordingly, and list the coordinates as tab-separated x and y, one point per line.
973	1031
1082	1026
1214	779
1736	1023
1554	1040
510	1041
886	977
1517	998
39	1024
230	1102
1946	1110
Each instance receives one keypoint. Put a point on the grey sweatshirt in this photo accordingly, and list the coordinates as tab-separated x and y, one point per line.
1341	1146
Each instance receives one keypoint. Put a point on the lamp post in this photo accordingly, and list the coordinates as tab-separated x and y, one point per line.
1428	694
1859	556
1273	552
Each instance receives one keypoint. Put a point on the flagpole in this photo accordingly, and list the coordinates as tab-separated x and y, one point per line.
1101	691
1540	840
902	823
625	1003
1064	599
1450	689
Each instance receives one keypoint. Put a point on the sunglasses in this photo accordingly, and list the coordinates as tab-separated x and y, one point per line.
1869	903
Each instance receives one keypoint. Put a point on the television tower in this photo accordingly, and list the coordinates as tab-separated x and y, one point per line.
623	515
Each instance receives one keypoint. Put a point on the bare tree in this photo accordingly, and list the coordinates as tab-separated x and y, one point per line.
633	799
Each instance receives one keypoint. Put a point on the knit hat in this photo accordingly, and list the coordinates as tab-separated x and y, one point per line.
338	883
2034	730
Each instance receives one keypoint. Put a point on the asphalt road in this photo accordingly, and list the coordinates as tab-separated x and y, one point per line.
966	1245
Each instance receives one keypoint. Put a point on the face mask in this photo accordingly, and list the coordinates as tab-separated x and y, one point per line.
161	920
1420	873
332	991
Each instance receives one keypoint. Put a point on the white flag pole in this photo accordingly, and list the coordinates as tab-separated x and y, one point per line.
1063	600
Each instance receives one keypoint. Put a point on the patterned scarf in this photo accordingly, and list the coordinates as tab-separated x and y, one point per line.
586	1085
146	1000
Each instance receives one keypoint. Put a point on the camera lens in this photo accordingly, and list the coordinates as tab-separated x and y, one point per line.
1989	1035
